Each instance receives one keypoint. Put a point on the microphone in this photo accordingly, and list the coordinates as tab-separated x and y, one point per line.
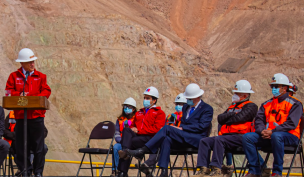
27	73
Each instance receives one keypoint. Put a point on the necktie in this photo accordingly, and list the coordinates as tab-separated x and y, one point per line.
191	110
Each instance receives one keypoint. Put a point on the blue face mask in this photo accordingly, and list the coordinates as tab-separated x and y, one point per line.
147	103
178	108
128	110
190	102
276	92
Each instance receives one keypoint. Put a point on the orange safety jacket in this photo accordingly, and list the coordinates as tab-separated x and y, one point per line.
178	121
121	121
277	113
240	128
12	125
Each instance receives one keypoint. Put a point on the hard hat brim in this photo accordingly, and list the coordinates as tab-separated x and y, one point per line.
194	96
151	95
278	83
180	102
23	61
129	104
237	91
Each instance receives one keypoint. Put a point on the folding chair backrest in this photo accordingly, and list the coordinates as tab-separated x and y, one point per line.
103	130
301	126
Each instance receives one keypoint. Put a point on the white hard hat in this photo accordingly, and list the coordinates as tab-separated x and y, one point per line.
180	98
152	91
242	86
280	78
130	101
26	55
193	91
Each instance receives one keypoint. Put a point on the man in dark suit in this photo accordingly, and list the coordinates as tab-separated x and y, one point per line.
195	123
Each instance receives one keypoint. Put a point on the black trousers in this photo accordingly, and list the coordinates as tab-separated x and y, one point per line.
130	140
35	138
218	144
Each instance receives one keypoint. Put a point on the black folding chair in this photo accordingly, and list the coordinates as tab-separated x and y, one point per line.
9	166
103	130
186	152
238	151
298	149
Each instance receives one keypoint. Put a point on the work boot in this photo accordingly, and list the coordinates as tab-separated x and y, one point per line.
251	175
227	170
145	169
216	172
122	174
123	154
114	172
138	153
204	171
164	172
266	172
275	175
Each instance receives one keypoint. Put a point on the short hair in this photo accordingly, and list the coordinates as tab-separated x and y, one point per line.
154	98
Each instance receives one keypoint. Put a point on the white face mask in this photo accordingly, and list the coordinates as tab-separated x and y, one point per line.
235	98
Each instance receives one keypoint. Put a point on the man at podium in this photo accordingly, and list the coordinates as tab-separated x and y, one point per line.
28	81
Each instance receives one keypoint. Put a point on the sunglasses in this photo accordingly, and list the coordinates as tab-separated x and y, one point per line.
275	86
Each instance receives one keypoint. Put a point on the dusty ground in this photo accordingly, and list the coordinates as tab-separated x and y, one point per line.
97	53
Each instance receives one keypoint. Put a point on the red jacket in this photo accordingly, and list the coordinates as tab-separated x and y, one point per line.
149	123
36	86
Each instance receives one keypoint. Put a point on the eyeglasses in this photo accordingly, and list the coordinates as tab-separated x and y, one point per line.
127	106
275	86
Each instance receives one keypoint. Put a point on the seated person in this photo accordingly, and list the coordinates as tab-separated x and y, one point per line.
124	120
195	124
235	122
147	122
173	119
277	124
4	145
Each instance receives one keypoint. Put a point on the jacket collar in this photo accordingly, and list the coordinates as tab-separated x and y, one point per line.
283	97
156	108
21	72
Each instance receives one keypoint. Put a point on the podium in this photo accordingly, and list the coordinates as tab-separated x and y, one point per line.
25	103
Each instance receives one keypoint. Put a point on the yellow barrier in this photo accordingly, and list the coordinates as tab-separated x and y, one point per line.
132	165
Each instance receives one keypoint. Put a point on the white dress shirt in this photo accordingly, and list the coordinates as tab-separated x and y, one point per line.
24	72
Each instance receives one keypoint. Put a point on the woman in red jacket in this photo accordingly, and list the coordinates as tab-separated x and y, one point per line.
147	122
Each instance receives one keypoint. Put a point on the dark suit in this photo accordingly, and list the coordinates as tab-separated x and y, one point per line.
194	128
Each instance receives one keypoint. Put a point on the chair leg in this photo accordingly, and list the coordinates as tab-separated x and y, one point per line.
301	159
171	169
293	158
154	166
187	165
91	165
80	165
234	165
138	172
194	169
104	164
243	166
183	167
11	165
